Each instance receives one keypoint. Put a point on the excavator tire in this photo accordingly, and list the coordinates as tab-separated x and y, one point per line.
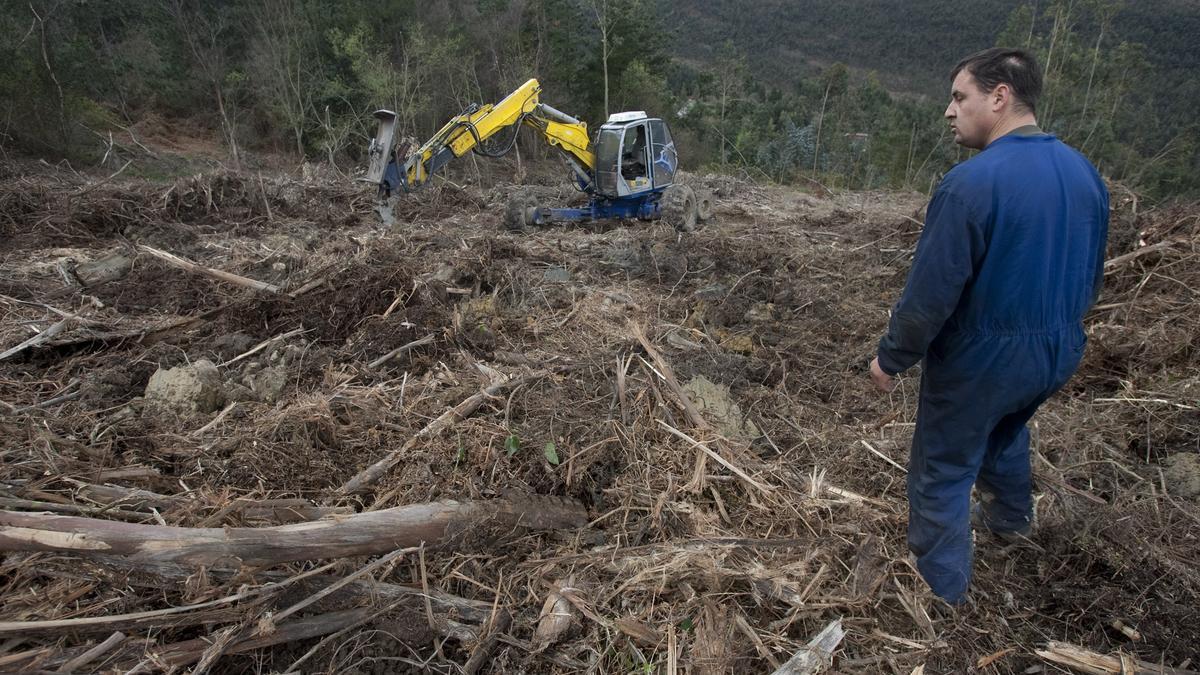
704	205
679	208
516	215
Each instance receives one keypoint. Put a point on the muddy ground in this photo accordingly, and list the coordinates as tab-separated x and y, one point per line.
767	317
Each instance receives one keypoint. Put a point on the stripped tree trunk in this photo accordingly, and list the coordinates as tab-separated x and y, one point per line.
361	534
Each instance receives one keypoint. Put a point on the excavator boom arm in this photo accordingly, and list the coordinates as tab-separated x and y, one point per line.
467	131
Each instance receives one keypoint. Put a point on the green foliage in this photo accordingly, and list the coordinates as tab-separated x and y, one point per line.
789	91
511	445
551	453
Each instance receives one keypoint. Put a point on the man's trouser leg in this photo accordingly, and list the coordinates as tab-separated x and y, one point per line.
972	408
948	445
1005	475
1046	363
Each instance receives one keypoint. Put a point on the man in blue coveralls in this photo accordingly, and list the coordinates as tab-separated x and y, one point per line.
1010	260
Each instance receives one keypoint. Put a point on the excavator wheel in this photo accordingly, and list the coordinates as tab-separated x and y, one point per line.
704	205
518	214
679	208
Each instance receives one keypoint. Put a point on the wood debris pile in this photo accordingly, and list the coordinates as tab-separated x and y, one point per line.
243	427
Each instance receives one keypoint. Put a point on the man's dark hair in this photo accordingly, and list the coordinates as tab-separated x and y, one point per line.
1015	67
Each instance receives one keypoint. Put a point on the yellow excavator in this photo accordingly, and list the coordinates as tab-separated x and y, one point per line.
628	170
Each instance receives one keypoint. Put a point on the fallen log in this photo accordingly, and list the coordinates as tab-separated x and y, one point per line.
360	534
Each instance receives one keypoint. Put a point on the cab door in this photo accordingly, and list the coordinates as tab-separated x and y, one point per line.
634	171
663	160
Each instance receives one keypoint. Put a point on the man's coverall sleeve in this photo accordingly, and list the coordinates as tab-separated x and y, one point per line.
1098	284
950	246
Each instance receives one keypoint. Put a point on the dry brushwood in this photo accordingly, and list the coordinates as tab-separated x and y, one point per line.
716	541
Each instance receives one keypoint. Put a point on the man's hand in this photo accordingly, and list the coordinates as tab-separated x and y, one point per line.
883	381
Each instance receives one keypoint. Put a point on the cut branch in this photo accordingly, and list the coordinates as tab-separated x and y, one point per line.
428	339
1110	265
183	653
44	336
817	654
278	511
220	275
213	611
368	476
1078	658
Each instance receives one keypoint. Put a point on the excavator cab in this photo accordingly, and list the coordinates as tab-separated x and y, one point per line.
634	155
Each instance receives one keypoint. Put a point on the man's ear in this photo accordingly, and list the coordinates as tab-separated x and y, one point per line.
1000	97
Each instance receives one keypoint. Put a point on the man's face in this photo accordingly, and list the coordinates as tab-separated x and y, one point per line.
971	112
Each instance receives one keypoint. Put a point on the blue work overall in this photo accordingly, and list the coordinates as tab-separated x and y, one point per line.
1010	260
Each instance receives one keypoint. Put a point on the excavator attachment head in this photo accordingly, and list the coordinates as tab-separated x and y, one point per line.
379	152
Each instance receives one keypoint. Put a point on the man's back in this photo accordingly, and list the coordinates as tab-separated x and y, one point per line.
1042	213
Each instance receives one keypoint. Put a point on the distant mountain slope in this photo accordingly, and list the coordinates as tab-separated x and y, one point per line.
913	44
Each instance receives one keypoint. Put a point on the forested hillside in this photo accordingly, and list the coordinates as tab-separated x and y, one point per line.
911	46
844	93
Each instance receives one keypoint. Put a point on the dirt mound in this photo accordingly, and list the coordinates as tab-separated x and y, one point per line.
480	365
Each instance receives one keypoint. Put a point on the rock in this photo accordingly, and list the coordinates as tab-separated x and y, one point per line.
268	384
718	407
712	292
556	274
482	306
761	312
1182	475
236	391
108	268
735	342
231	345
188	388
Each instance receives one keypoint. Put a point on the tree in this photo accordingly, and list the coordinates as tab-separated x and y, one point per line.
729	76
284	63
206	30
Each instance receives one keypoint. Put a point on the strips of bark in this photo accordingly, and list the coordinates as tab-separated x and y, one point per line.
190	651
361	534
276	511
